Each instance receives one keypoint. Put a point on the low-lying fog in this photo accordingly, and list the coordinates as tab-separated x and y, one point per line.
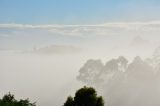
44	63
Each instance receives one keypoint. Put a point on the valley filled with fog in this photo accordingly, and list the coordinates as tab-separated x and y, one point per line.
46	63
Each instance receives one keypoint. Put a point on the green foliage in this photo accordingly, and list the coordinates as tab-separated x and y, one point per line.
69	102
100	101
85	96
9	100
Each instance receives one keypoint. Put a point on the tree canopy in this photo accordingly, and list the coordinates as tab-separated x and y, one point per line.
86	96
9	100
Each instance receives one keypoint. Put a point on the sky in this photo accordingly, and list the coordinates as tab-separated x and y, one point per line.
77	11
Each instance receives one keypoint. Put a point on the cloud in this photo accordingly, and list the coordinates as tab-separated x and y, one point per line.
98	36
83	30
57	49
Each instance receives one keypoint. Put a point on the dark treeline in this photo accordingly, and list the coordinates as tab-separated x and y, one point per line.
9	100
86	96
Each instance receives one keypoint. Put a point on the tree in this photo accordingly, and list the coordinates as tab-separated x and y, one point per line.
89	73
85	96
139	70
69	102
94	72
122	63
9	100
100	101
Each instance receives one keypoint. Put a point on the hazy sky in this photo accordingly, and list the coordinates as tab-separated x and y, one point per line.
77	11
95	24
72	31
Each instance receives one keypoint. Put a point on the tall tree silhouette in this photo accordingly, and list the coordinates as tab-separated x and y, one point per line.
86	96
